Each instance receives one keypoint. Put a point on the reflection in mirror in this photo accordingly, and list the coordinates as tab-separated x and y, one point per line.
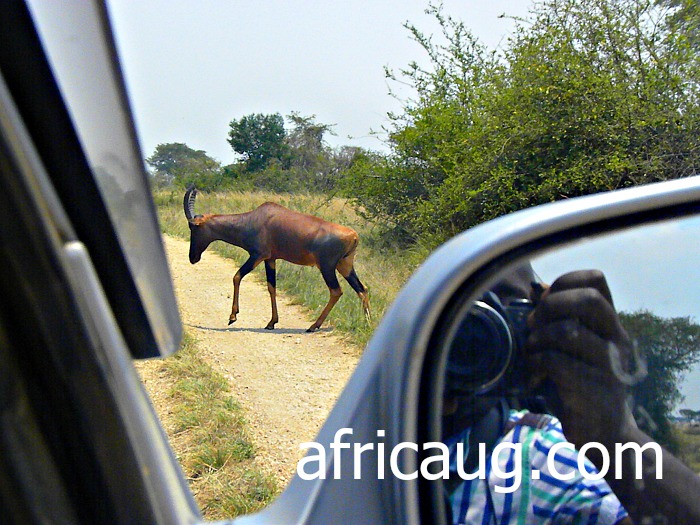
653	275
605	360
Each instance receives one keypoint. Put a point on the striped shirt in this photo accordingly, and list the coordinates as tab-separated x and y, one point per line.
542	498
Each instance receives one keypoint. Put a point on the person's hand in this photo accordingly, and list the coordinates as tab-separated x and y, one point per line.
578	343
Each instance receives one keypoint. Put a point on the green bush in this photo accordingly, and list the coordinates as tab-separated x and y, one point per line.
584	97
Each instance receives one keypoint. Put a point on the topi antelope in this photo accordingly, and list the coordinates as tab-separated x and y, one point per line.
272	232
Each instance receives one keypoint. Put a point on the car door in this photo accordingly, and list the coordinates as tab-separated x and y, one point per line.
79	440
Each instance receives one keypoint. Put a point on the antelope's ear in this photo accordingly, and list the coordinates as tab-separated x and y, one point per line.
196	221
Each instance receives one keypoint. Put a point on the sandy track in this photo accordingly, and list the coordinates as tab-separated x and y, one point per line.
286	379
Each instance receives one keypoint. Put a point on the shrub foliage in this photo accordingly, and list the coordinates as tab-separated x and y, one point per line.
584	97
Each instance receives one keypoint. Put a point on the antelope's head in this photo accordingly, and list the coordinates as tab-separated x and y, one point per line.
200	236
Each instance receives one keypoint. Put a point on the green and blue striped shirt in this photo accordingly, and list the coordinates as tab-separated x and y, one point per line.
545	498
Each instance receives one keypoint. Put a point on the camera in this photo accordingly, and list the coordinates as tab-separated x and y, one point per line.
486	347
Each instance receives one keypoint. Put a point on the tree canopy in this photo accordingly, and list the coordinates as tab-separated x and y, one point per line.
258	138
685	19
272	157
585	97
177	163
670	346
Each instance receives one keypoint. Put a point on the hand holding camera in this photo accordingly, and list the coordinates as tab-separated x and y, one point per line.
577	341
567	342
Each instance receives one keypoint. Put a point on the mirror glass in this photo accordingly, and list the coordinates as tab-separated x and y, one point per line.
652	274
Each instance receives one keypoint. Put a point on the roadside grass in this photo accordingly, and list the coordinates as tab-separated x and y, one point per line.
208	432
689	446
382	271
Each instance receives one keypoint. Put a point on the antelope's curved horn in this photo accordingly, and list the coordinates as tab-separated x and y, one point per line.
188	202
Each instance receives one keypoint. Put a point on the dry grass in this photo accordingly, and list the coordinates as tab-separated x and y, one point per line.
689	445
208	433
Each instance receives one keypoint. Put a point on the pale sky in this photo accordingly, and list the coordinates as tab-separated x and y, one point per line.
192	67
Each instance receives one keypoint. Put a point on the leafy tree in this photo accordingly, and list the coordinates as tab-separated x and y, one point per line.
305	141
398	181
177	163
585	97
297	159
690	415
685	18
308	156
258	139
206	173
169	159
670	346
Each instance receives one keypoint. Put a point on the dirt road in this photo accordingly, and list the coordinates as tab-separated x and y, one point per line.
286	379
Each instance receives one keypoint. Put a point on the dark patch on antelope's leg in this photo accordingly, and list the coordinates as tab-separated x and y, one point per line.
270	274
335	292
244	270
354	281
360	289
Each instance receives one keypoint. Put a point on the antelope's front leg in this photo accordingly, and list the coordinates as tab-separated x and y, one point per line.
236	287
244	270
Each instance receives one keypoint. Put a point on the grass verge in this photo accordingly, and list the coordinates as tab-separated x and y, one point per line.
207	430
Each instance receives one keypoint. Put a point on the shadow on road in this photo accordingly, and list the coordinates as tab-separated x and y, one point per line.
253	330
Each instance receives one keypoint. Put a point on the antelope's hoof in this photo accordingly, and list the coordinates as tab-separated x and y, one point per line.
313	329
270	327
231	321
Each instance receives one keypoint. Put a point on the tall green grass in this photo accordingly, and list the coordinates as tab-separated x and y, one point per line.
382	270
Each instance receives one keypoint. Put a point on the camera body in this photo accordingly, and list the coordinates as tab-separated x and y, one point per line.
487	345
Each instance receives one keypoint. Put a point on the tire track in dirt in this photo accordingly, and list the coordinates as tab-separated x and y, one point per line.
286	379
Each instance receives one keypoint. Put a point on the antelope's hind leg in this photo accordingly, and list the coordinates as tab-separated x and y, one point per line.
346	269
271	276
335	292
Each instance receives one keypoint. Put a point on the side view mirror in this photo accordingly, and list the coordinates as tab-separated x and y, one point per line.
508	382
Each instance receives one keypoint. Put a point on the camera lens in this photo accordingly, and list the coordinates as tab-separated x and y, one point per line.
480	351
